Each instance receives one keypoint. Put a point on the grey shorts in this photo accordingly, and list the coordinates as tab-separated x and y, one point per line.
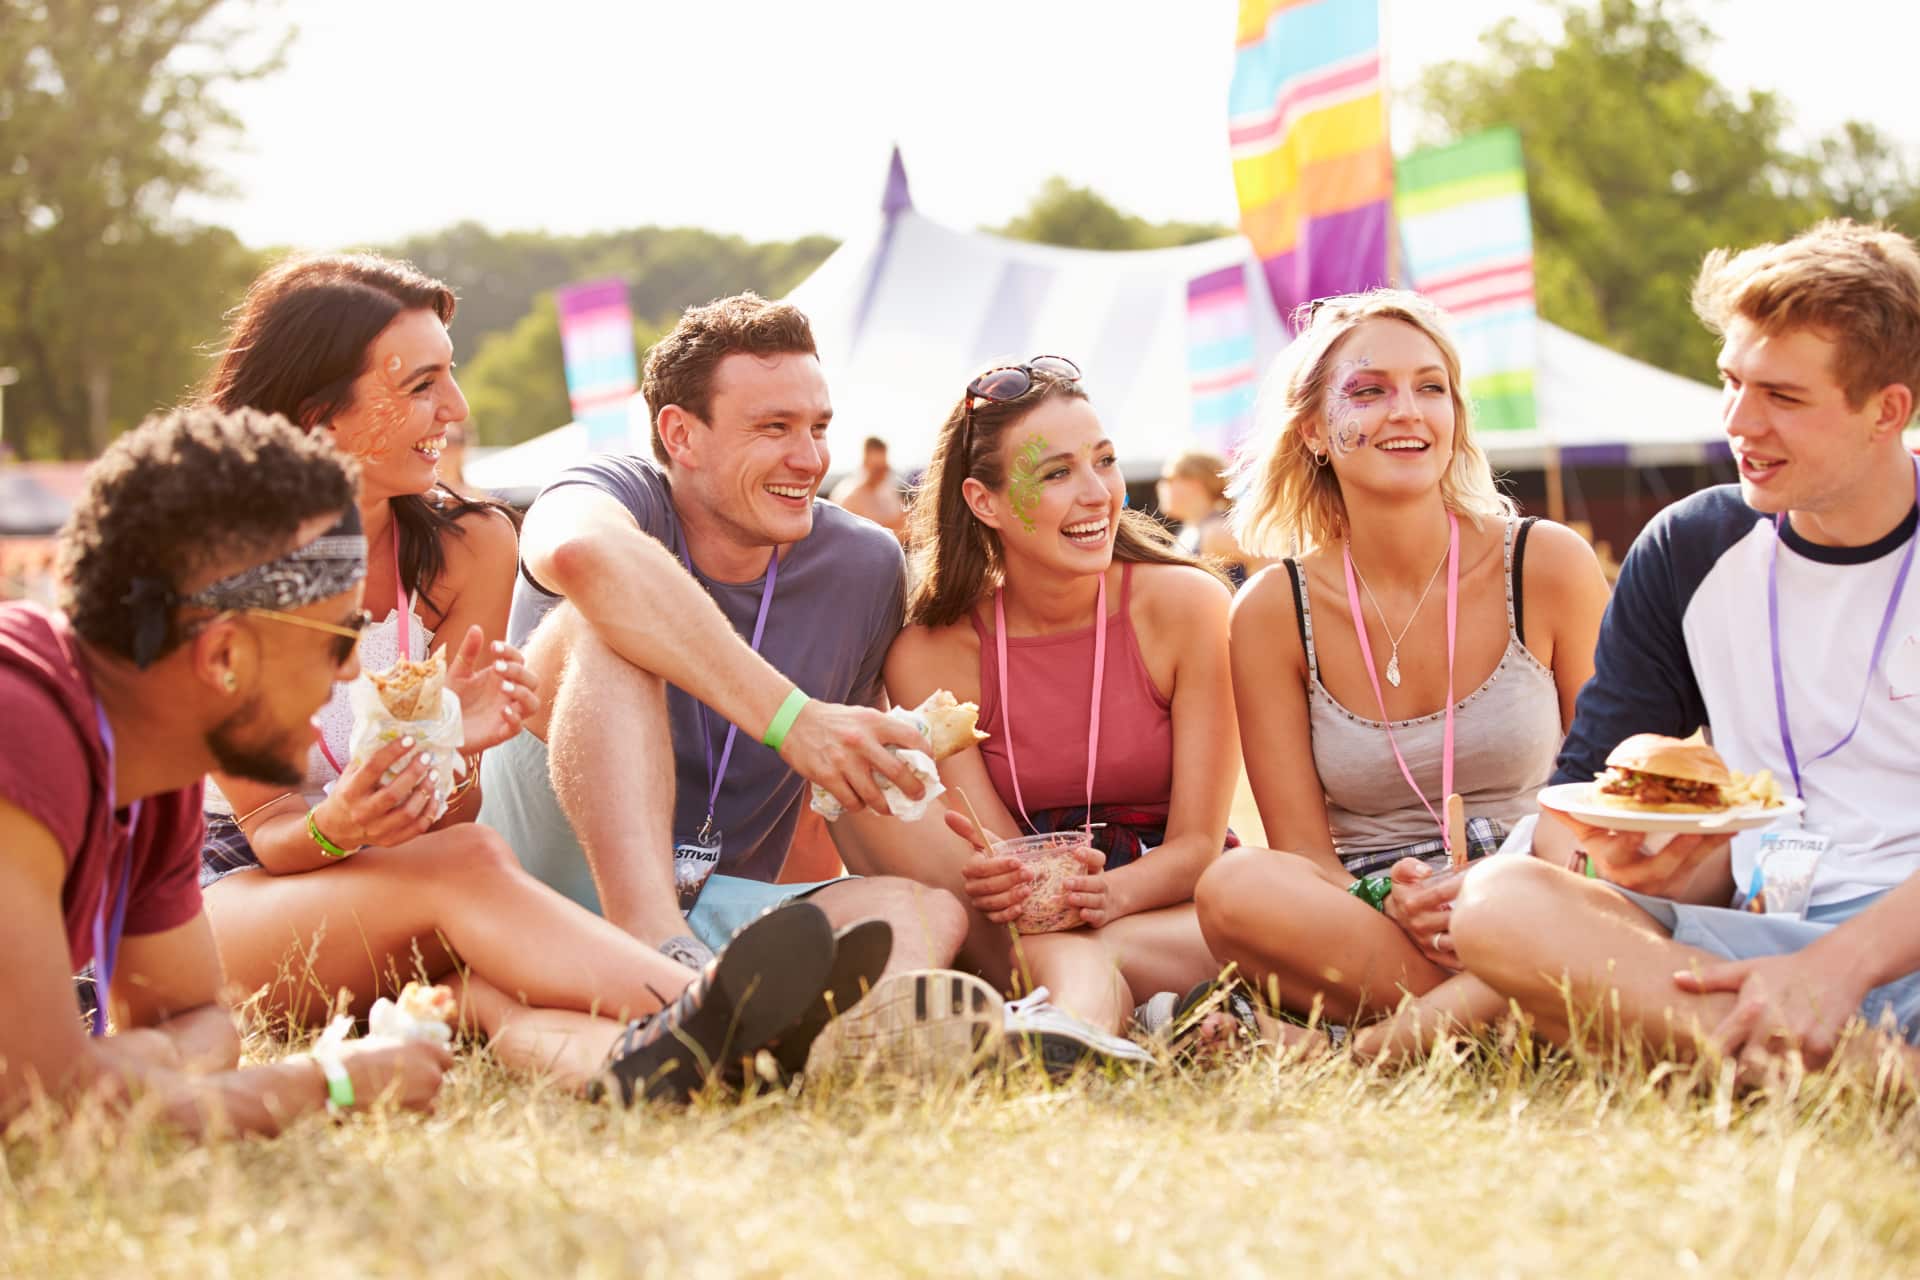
517	800
1743	935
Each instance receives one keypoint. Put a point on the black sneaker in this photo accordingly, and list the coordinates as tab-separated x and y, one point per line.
860	953
762	982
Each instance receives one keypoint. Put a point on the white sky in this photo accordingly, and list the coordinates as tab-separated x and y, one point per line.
773	118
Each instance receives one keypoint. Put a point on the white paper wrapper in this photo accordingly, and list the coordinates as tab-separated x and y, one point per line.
388	1021
898	805
374	727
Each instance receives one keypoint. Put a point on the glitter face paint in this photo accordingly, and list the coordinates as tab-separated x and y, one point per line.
1023	481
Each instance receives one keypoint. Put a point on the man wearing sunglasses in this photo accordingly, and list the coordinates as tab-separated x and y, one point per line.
713	637
210	596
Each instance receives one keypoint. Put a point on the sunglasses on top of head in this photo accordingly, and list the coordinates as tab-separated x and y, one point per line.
1010	382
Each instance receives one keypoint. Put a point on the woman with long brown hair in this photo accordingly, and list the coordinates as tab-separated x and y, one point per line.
349	880
1421	642
1098	655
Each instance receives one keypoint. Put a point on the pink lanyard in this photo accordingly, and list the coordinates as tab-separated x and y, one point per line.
110	917
1006	696
1373	676
403	611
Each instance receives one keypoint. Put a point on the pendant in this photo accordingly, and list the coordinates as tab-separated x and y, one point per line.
1393	669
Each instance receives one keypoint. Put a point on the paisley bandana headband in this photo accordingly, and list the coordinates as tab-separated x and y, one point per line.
328	566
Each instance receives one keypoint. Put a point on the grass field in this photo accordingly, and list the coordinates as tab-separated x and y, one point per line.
1498	1163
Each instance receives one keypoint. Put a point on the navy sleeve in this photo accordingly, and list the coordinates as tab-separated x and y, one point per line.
1643	681
634	482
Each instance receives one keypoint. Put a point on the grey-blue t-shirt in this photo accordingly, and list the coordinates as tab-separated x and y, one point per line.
837	605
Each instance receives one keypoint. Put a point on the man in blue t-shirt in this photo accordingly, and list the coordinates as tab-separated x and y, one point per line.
711	638
1821	365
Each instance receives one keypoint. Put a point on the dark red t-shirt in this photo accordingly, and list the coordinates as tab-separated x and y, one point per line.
53	767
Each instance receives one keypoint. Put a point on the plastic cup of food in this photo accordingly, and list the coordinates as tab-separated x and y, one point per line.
1052	859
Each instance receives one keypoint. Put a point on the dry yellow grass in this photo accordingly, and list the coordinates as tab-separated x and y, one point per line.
1490	1164
1483	1168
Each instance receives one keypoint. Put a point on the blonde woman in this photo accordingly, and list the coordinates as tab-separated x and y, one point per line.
1419	641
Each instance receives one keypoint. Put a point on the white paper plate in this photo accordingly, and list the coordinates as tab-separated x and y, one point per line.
1575	799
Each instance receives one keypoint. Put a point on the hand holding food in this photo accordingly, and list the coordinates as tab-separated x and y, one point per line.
411	701
948	727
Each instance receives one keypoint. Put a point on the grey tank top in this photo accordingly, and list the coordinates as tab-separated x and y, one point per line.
1506	736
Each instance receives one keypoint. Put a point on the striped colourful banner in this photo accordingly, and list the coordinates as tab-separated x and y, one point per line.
1468	239
1222	363
1311	163
596	340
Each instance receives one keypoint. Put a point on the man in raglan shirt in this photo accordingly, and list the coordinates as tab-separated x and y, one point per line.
1783	616
114	710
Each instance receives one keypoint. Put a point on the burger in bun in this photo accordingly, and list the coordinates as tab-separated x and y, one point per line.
1653	773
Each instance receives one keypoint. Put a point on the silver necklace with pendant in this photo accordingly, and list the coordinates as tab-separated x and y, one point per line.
1393	661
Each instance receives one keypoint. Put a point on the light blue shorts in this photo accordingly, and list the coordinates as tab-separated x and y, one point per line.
1743	935
517	800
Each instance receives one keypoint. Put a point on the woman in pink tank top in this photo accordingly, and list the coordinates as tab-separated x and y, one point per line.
1382	669
1098	655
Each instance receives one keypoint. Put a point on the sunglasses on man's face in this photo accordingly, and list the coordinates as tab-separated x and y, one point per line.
346	637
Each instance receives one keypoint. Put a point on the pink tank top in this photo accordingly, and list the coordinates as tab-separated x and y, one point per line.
1052	679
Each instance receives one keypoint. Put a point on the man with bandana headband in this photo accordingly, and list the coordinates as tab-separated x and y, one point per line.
210	595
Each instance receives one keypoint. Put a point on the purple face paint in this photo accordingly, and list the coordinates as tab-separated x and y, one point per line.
1345	414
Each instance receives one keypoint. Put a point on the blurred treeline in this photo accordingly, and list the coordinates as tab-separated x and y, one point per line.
1639	160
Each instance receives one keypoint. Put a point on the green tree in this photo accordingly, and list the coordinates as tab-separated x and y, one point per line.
1639	161
516	383
499	275
107	303
1079	218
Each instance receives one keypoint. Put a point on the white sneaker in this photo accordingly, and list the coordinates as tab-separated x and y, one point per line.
924	1023
1062	1041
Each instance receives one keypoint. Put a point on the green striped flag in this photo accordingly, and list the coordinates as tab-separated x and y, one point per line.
1468	244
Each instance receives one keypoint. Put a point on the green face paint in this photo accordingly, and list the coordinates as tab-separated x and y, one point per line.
1023	483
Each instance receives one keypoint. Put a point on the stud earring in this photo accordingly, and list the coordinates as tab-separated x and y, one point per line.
229	681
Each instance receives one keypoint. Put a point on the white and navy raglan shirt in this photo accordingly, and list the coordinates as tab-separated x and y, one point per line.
1684	644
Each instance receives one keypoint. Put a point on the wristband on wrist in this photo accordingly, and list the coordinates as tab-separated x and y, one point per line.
783	719
339	1083
327	847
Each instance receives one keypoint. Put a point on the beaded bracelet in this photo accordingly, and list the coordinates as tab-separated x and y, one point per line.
1373	890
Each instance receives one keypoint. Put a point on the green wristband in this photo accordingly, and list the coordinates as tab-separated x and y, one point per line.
783	719
327	846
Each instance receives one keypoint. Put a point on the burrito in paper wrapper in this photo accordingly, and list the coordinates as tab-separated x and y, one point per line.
411	699
948	725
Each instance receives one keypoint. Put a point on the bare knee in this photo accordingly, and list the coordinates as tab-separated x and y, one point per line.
464	854
1234	898
926	921
1498	916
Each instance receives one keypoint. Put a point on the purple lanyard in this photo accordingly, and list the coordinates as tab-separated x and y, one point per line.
110	917
1873	663
733	731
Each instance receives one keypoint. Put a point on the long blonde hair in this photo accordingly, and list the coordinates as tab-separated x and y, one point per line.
1288	500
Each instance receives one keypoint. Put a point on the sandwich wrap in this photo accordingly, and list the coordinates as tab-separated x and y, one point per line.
949	726
411	699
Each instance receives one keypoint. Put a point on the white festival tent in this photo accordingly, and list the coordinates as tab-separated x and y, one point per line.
906	310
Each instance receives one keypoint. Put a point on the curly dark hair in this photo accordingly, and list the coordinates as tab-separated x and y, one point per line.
680	366
185	492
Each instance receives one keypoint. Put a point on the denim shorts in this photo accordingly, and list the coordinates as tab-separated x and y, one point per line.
1743	935
517	800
